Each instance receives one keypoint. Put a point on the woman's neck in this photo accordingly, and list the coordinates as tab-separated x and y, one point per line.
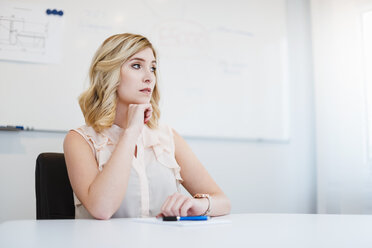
121	115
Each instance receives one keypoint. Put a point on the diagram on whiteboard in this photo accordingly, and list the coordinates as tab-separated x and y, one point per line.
19	34
30	33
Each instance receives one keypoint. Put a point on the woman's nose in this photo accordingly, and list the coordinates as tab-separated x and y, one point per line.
149	77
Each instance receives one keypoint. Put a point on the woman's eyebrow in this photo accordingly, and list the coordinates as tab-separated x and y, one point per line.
141	59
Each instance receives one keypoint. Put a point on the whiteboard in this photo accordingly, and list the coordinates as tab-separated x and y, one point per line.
222	65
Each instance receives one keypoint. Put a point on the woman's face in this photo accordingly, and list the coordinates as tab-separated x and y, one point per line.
137	78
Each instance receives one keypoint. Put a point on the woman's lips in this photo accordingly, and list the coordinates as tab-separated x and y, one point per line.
146	91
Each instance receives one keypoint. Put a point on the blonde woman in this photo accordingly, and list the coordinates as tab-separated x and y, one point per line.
123	163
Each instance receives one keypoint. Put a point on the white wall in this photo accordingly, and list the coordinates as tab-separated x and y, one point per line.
258	177
344	172
18	153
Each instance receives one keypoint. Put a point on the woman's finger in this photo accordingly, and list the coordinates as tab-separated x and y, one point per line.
177	205
185	207
148	113
162	209
166	209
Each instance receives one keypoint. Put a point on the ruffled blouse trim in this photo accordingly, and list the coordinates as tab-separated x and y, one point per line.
160	140
100	141
162	143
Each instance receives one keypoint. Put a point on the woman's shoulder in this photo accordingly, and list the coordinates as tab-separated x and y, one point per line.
108	136
85	130
80	133
74	139
88	131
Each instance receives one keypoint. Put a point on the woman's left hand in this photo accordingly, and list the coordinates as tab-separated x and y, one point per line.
181	205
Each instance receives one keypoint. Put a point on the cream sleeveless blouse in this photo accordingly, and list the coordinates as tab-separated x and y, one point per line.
154	175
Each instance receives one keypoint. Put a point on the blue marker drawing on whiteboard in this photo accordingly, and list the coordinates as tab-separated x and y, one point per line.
54	12
15	128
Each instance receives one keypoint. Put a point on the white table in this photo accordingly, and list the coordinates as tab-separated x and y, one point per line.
245	230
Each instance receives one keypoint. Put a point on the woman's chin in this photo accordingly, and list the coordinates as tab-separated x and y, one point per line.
144	101
136	101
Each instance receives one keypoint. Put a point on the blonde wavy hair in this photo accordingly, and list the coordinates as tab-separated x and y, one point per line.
98	102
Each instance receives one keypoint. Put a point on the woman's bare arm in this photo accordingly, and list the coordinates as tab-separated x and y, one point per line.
196	180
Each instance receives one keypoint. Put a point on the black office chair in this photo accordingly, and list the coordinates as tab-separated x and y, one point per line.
54	197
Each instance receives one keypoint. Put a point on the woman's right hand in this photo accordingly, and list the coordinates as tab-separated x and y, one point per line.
138	116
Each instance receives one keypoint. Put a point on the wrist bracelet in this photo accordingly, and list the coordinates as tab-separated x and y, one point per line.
199	196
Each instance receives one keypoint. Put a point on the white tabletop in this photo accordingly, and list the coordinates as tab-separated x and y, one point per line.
244	230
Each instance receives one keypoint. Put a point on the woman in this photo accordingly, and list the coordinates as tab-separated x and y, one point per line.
123	163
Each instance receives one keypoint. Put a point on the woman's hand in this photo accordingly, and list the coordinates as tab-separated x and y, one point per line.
181	205
138	116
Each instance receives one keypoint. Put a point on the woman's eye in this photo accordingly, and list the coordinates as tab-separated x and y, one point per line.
136	66
153	69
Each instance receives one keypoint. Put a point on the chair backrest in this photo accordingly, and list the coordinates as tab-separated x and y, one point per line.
54	197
